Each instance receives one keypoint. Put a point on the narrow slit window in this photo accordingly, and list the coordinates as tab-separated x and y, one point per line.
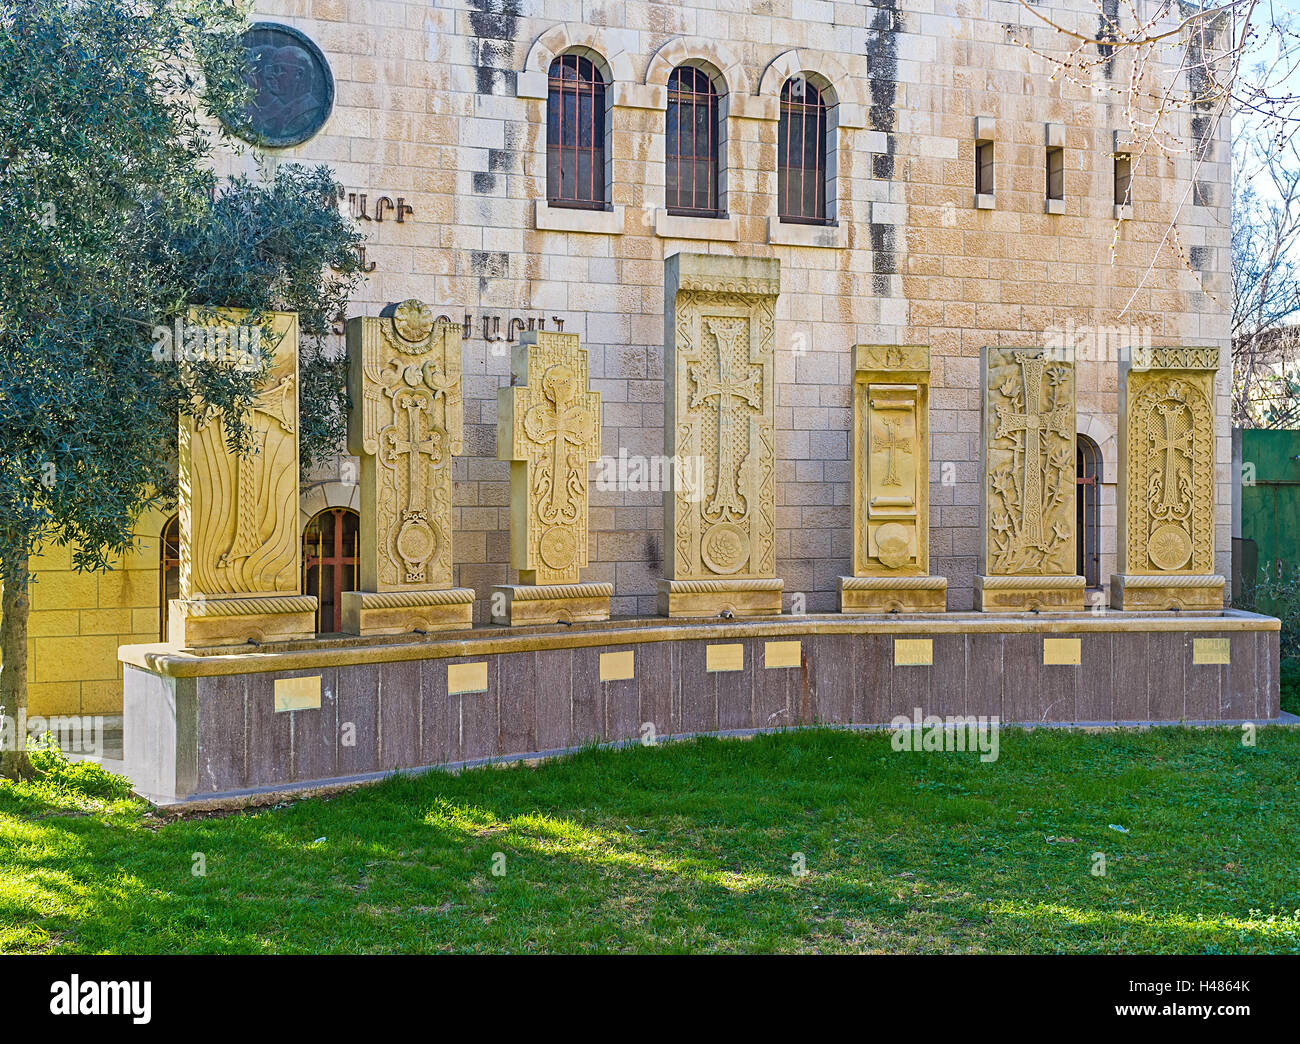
1123	178
1056	174
984	168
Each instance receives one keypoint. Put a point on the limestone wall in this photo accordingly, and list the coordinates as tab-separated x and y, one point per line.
429	108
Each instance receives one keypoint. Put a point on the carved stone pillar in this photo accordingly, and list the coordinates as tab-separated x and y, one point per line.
405	425
241	551
719	515
1166	482
1027	559
891	484
548	427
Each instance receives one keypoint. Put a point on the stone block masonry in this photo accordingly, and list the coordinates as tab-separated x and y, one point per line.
444	105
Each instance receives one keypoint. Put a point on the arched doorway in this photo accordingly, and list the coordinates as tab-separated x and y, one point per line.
329	563
169	571
1088	507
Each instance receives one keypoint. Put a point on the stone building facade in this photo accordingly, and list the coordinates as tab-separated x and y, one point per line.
440	118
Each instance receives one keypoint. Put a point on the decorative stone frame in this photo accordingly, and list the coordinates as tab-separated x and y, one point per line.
1103	432
534	82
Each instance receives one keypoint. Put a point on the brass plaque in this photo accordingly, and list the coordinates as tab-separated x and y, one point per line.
1211	650
1062	651
782	654
725	657
293	694
466	677
913	652
617	666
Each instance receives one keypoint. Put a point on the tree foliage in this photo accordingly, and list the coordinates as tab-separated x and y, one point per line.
113	225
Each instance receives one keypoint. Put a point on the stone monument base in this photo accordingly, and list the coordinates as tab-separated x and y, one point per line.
401	612
893	594
742	597
1022	594
1155	593
550	603
197	623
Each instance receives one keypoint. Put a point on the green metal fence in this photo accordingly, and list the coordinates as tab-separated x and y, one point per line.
1270	505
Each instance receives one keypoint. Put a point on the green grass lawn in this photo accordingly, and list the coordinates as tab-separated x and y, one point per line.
689	847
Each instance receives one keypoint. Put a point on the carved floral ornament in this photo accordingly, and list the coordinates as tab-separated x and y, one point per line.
1032	467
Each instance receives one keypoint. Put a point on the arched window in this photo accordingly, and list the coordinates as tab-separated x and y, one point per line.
802	140
692	144
575	134
329	563
1088	507
169	571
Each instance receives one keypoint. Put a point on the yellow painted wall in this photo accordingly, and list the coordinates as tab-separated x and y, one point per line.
79	619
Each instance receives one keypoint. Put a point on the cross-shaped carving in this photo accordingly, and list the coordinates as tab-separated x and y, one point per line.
727	387
549	428
1036	425
416	406
893	444
1175	439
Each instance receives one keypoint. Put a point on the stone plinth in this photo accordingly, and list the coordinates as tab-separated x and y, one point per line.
201	726
548	427
891	484
1166	483
404	379
719	520
1027	558
241	551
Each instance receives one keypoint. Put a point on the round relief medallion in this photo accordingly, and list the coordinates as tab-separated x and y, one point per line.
891	545
558	547
1169	547
725	548
291	86
412	320
416	543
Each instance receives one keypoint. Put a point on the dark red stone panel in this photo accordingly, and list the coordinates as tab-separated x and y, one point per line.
656	684
1237	680
316	732
1131	700
909	687
1166	678
1022	691
435	714
480	723
1201	680
1095	686
948	680
984	675
399	715
833	671
268	735
588	699
553	701
358	693
773	687
699	691
873	669
220	734
1058	685
518	677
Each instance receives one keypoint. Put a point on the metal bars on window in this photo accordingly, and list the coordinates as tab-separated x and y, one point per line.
575	134
801	154
691	144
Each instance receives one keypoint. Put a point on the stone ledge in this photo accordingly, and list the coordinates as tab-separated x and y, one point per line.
679	226
576	219
789	233
171	661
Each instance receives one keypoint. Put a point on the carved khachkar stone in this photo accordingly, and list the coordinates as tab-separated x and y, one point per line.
719	517
1166	481
1027	560
405	425
548	427
891	484
241	552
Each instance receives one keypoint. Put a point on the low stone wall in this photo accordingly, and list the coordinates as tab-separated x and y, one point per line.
233	721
